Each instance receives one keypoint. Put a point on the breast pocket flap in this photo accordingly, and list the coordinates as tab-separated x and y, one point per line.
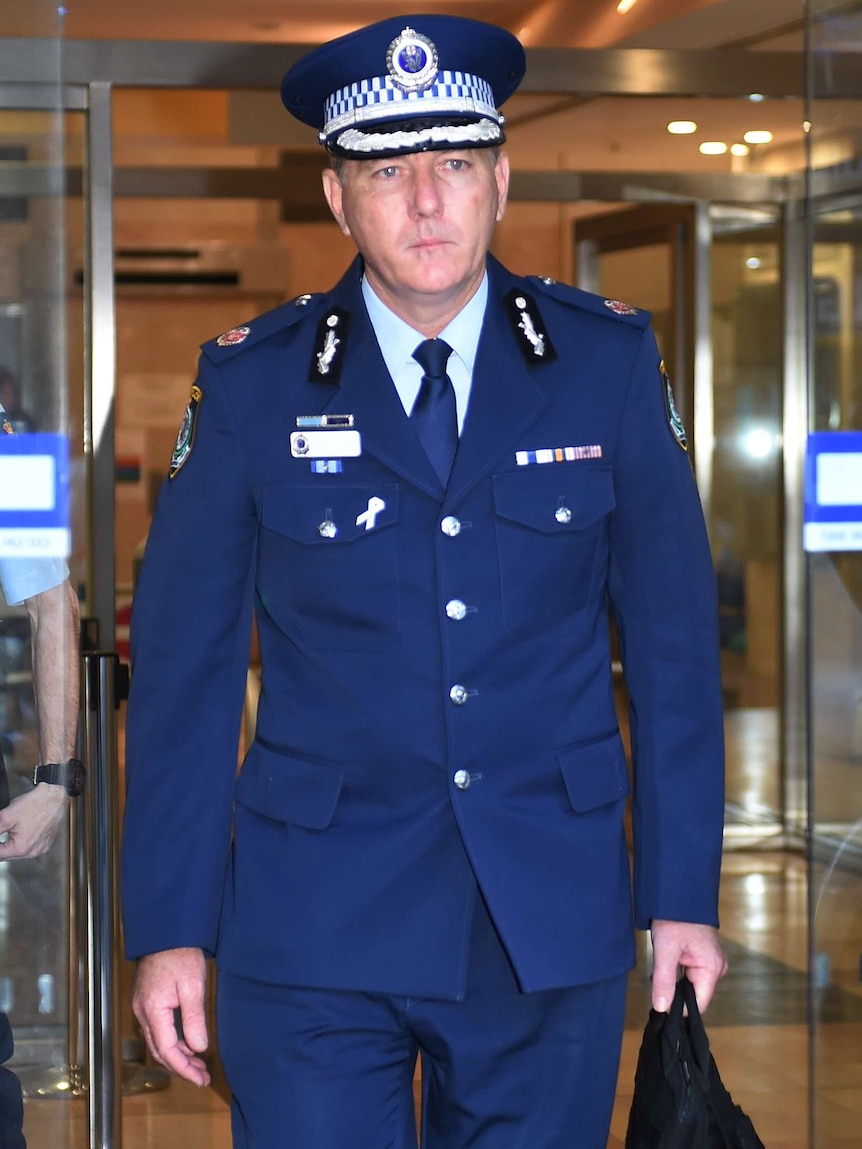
554	497
289	789
326	515
596	774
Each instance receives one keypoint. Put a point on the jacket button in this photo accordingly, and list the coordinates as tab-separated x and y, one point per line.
462	779
456	609
458	694
563	515
327	529
451	526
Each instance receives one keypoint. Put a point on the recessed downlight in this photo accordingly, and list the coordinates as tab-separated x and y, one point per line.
713	148
682	127
740	150
758	137
625	6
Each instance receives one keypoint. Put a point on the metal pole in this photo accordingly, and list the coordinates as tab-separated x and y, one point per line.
100	670
99	430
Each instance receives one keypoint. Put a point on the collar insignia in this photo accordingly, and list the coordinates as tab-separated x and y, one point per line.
530	331
328	355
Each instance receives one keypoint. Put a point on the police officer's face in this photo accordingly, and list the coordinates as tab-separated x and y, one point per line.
423	223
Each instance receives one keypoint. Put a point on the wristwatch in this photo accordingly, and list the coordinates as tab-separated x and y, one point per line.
71	775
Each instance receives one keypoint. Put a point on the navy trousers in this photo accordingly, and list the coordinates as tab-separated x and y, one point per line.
321	1069
11	1103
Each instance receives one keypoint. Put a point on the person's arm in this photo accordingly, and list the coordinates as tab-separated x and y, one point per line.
33	820
663	595
164	982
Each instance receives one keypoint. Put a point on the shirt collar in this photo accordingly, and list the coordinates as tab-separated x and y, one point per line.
398	340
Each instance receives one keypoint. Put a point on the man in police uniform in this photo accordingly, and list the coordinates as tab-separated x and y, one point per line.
427	485
30	822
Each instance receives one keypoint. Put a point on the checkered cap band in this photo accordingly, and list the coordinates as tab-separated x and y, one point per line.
380	99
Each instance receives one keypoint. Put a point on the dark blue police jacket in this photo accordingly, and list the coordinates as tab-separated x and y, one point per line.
404	757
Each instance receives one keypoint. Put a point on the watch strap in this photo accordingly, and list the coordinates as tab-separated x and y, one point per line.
70	775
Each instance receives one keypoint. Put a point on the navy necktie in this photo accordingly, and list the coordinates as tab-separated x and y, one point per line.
434	414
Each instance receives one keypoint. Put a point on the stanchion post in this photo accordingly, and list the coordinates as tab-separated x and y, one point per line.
101	814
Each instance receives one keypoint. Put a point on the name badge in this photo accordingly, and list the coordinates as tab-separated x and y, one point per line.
325	444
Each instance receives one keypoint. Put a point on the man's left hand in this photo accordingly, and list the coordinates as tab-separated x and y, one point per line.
694	947
30	823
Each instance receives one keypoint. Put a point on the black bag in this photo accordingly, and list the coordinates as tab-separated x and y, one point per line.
679	1100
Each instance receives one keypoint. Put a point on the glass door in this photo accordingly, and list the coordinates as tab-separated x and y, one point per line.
835	590
42	134
711	276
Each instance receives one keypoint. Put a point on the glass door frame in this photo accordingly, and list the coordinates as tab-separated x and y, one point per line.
94	101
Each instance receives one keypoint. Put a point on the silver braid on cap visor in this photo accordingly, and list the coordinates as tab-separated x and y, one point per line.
459	135
453	93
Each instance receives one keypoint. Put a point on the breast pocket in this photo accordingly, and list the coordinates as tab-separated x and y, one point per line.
328	566
551	525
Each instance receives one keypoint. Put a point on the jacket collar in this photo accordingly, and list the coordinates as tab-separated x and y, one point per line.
505	398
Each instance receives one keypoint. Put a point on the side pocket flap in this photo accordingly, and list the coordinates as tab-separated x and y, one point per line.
289	789
595	774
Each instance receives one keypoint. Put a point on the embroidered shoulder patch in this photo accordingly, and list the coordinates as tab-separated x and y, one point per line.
673	416
186	435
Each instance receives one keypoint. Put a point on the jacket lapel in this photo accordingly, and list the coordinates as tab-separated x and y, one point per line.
505	397
367	392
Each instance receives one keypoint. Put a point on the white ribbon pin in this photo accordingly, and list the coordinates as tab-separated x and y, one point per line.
369	517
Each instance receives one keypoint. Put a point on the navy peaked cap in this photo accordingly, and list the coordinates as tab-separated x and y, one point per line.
407	84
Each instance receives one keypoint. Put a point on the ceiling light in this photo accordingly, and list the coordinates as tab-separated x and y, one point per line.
756	98
626	6
758	137
752	263
713	148
740	149
682	127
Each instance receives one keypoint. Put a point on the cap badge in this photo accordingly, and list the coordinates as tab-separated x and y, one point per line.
234	336
411	61
619	308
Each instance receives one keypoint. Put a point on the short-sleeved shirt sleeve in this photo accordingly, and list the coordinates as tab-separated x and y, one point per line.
22	578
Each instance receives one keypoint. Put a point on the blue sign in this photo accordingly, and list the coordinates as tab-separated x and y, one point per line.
34	496
833	491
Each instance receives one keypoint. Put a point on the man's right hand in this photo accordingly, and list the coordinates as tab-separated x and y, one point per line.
165	981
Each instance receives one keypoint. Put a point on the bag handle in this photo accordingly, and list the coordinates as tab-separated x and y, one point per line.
680	1031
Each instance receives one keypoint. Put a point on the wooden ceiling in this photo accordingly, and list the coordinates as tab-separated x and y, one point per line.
551	23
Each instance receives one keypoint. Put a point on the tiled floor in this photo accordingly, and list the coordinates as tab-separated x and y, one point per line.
757	1024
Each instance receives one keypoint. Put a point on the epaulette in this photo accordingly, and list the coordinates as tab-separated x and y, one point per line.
587	301
230	343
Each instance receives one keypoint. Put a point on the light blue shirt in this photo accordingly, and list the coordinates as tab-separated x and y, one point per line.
22	578
398	340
